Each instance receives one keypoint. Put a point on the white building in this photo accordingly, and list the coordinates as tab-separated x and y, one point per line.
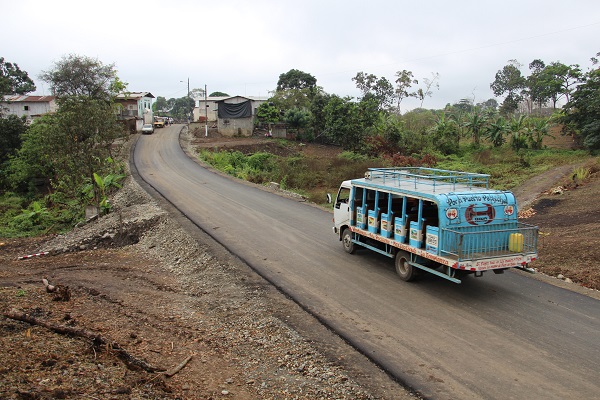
30	107
135	108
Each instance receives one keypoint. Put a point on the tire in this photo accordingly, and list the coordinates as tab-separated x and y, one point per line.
349	246
405	271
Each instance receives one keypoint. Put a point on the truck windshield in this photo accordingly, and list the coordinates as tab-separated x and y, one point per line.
342	197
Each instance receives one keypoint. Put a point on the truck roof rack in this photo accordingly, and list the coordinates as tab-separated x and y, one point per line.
415	176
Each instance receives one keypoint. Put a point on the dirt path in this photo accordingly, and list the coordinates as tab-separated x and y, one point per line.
531	189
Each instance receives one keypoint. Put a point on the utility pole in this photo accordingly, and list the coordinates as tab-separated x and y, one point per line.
205	112
191	116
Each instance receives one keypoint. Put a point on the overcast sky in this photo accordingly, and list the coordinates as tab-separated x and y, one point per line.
242	46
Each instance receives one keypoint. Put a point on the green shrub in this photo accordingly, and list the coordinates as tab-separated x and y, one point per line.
261	161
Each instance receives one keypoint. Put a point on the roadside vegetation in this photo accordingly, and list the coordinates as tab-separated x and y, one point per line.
314	177
54	168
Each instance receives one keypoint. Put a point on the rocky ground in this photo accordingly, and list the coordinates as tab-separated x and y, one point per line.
150	308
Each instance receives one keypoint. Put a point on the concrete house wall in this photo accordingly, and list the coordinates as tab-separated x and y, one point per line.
211	111
238	126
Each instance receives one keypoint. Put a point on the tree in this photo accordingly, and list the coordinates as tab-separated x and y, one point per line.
69	146
380	89
296	79
267	112
32	161
464	105
490	104
581	114
287	99
171	103
76	75
197	94
297	119
77	140
317	106
160	105
13	80
218	94
428	84
11	129
511	82
404	81
536	87
342	123
182	107
558	80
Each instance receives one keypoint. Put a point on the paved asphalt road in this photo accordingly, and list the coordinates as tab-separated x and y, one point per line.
497	337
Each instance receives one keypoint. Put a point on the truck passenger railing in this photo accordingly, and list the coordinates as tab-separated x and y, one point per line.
473	243
414	176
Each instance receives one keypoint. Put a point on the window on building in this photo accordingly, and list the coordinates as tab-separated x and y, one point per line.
25	108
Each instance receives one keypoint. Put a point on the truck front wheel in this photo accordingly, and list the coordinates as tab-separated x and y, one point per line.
349	246
405	271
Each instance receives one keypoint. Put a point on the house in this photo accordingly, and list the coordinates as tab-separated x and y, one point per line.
30	107
135	108
207	108
236	115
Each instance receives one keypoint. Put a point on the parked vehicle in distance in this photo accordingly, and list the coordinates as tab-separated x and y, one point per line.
448	223
159	122
147	129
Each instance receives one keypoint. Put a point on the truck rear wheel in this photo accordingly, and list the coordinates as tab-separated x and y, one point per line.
405	271
349	246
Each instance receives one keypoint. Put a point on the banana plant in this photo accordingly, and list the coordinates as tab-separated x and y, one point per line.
99	189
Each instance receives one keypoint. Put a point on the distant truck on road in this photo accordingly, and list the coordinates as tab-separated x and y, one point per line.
448	223
159	122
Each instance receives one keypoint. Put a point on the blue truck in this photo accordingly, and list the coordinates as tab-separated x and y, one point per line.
448	223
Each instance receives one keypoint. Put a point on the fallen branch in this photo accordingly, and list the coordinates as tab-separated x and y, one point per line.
96	339
179	367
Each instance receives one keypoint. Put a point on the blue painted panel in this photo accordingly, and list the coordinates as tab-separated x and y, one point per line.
416	234
387	224
483	208
400	229
432	239
373	221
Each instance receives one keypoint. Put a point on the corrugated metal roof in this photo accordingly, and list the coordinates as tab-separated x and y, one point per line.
253	98
29	99
134	95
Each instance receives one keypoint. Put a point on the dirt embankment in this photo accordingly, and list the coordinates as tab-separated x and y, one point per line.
156	295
